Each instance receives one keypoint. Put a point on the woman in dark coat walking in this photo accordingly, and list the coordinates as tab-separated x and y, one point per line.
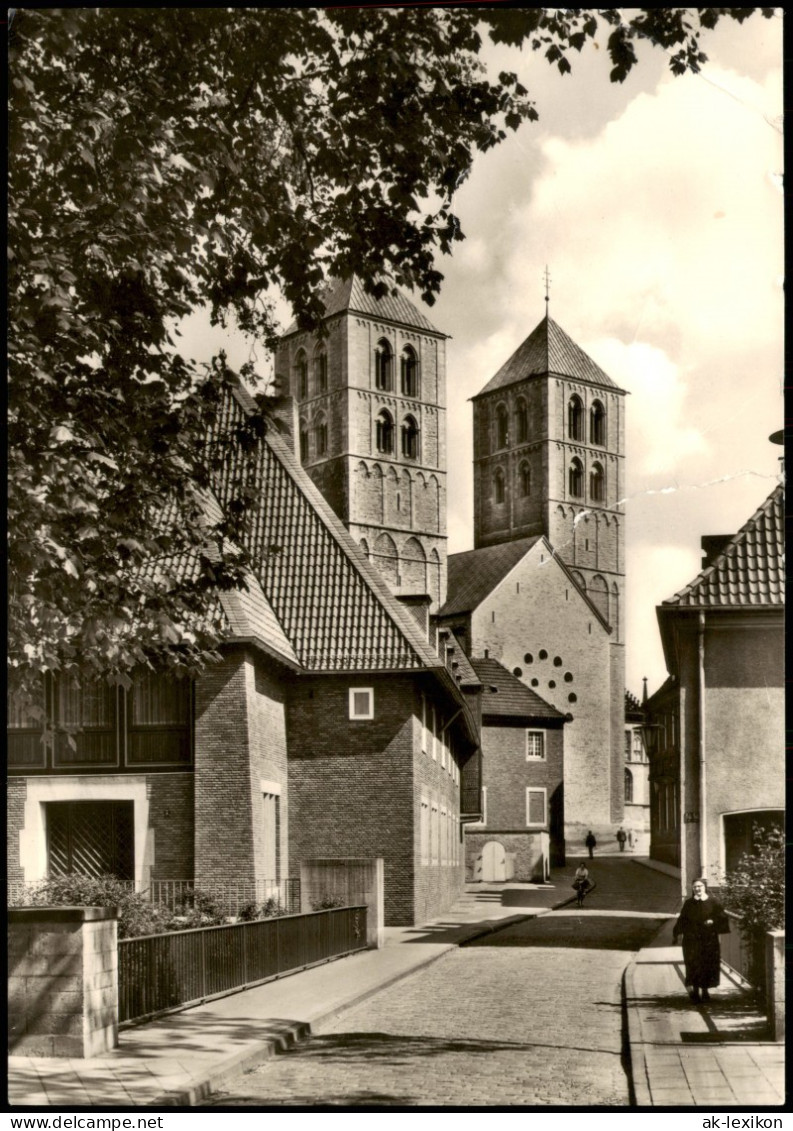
701	921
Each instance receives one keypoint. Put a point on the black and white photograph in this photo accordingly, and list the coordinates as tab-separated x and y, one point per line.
396	697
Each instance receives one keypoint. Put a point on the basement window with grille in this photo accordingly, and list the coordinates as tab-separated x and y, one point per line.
361	702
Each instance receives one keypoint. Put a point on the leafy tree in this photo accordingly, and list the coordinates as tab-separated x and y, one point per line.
162	160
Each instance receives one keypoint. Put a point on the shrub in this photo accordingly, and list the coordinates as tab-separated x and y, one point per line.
270	909
328	901
755	890
136	915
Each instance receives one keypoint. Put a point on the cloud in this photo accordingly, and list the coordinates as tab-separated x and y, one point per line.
659	434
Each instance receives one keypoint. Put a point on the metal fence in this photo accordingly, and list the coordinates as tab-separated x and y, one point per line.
274	897
157	973
277	897
737	951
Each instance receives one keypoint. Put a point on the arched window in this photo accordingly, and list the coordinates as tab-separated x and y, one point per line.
597	484
301	374
303	441
409	369
382	365
410	438
385	433
498	486
321	371
320	436
524	480
575	418
628	787
597	424
576	478
521	422
502	427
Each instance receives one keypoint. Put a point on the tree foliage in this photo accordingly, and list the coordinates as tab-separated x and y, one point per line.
163	160
755	889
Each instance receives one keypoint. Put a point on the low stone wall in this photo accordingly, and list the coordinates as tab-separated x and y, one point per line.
62	981
775	983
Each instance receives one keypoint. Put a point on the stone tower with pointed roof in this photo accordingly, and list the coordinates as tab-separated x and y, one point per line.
549	443
371	396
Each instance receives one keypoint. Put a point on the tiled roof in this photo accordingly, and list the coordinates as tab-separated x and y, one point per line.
332	605
475	573
504	695
461	665
250	615
349	295
749	570
548	349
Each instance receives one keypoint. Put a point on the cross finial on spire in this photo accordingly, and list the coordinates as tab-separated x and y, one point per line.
547	277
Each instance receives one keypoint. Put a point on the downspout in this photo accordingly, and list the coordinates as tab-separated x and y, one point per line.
703	808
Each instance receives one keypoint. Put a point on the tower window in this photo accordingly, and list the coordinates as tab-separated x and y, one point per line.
524	480
498	486
385	433
410	438
597	424
575	419
321	436
502	427
382	365
409	368
301	374
628	787
522	422
303	441
576	478
596	484
321	371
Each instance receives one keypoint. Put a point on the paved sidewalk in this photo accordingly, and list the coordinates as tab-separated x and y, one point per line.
712	1056
180	1059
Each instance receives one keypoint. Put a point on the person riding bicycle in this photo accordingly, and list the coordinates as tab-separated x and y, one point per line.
582	883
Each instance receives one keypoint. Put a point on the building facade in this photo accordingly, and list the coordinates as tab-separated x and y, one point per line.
723	638
637	777
371	395
331	727
521	832
543	590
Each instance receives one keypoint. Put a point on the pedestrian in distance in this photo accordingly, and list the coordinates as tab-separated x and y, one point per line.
590	843
701	921
582	883
622	836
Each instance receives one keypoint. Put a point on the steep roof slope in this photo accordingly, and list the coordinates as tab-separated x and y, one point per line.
749	570
348	294
504	695
548	349
334	608
475	573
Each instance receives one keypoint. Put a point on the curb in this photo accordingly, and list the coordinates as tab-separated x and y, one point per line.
637	1060
200	1090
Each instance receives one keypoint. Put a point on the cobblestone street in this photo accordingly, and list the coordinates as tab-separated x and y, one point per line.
527	1016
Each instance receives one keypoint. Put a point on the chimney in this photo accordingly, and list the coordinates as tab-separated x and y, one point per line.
712	545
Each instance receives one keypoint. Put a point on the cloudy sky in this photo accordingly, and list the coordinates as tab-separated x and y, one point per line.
657	207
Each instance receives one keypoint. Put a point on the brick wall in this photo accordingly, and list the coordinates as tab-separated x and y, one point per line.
15	818
268	762
172	817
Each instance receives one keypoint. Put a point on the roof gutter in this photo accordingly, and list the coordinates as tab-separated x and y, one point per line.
703	793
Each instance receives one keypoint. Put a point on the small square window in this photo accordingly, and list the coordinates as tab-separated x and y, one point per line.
361	703
535	745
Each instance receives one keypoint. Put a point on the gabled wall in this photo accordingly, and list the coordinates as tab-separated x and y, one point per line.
536	608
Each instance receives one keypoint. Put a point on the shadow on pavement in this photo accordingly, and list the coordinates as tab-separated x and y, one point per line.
579	931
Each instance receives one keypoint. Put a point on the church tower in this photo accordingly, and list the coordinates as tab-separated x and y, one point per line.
549	454
371	403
